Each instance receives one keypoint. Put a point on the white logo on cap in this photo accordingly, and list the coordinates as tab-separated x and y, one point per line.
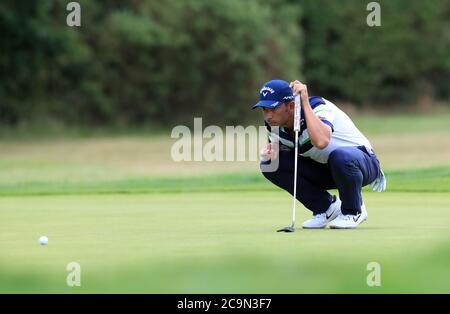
265	90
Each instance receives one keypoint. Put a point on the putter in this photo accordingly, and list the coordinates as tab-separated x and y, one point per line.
297	117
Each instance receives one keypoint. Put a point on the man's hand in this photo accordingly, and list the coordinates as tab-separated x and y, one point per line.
269	152
301	89
319	132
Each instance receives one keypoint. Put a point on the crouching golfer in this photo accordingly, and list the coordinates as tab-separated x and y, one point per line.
333	154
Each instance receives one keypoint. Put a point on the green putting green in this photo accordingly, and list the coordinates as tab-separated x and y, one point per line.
220	242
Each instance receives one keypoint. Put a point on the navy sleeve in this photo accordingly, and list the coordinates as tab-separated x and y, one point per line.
315	101
329	124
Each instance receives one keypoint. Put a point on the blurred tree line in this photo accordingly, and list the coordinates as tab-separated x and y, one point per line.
163	62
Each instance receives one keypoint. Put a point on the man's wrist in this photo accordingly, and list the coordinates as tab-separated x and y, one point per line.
305	103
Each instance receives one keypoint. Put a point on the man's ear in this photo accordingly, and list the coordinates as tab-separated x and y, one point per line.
291	106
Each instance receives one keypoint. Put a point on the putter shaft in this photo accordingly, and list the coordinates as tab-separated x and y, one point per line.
297	118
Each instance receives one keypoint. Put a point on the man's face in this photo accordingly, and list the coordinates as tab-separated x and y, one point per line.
280	116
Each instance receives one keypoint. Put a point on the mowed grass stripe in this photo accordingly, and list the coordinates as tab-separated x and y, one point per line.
436	179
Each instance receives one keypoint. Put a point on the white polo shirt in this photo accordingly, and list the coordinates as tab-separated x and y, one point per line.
344	131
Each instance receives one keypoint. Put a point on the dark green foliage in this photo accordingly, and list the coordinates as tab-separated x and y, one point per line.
160	63
403	61
143	62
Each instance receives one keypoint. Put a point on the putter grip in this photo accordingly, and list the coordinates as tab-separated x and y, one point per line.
297	113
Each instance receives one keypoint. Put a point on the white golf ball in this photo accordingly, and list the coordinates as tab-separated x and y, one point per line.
43	240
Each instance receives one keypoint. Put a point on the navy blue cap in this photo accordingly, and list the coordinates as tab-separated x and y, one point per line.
274	93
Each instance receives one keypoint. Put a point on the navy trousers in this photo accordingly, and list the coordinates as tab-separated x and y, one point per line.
348	170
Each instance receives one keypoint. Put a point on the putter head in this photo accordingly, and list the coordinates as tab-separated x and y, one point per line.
286	229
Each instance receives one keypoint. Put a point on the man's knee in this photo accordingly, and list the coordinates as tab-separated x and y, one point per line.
340	159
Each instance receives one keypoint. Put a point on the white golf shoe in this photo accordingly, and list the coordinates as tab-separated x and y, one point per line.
320	221
349	221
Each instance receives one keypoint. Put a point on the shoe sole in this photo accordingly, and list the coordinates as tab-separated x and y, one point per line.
332	217
314	227
335	227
